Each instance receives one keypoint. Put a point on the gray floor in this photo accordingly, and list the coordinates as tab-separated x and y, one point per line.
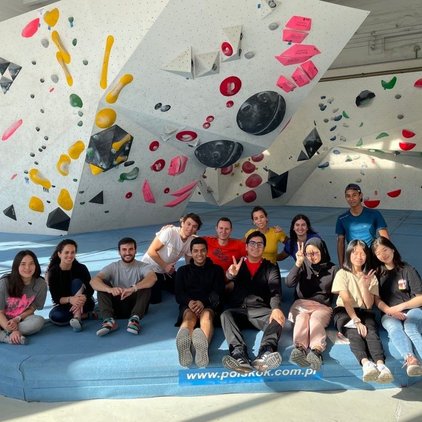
397	405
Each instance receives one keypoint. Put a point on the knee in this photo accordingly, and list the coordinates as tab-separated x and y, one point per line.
34	323
207	315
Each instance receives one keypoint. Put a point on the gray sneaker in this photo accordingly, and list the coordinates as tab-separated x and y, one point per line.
298	356
200	343
183	344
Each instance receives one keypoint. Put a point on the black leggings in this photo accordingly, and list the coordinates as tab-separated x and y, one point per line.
368	347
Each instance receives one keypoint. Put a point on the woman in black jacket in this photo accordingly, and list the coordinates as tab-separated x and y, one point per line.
312	276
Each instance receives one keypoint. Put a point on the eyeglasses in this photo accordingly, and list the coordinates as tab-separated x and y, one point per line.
253	244
311	254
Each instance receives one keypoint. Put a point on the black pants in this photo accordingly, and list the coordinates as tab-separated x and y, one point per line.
232	320
113	307
369	347
164	282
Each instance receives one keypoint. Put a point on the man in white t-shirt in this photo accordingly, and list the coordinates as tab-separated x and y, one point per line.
169	245
118	292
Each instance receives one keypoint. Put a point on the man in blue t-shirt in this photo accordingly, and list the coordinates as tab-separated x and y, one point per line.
358	222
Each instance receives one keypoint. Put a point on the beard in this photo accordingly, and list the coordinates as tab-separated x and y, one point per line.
128	258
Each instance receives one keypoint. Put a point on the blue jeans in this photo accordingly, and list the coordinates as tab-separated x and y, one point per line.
61	315
406	335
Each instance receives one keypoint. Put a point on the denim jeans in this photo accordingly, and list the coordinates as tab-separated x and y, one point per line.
406	336
61	315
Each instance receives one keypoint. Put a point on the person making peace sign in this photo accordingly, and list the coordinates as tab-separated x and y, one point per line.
255	300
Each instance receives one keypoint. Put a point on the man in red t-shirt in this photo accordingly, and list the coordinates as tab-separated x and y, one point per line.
222	248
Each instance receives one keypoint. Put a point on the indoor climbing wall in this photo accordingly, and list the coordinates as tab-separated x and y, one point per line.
113	110
364	130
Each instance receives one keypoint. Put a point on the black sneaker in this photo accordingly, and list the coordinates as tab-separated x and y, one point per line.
239	362
267	359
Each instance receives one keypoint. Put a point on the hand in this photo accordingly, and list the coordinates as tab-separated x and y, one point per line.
234	268
399	315
367	278
300	255
127	292
196	306
362	330
169	268
277	229
115	291
15	337
396	308
277	315
12	325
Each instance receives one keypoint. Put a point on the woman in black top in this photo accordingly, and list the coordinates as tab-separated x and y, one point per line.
68	281
400	299
311	312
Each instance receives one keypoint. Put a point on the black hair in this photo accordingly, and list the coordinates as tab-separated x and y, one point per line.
257	233
125	241
198	241
347	265
16	284
293	235
256	209
54	259
397	260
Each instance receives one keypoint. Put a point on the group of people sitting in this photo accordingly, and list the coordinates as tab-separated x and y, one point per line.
236	282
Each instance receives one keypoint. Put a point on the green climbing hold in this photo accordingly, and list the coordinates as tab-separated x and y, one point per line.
390	84
132	175
75	101
382	135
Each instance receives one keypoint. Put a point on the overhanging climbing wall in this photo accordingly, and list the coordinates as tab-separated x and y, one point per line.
113	110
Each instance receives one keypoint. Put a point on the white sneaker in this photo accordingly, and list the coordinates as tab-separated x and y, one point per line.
385	376
370	372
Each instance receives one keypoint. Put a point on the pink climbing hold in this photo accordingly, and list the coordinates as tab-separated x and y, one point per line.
31	28
178	200
11	130
147	193
188	188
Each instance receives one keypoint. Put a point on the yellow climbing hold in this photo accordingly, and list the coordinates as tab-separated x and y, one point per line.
105	118
69	78
95	169
51	17
59	44
106	58
76	149
63	165
36	204
117	145
114	93
37	177
64	200
120	159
